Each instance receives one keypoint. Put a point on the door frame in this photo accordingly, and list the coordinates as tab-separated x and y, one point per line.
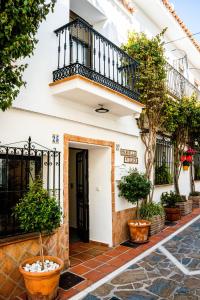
90	141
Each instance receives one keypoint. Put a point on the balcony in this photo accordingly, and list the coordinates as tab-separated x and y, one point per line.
179	86
86	55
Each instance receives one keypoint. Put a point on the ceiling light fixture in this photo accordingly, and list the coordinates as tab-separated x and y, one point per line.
101	109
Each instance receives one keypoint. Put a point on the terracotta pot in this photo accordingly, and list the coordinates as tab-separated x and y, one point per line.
172	213
185	168
44	285
139	230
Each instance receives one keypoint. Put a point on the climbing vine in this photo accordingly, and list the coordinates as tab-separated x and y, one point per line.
149	52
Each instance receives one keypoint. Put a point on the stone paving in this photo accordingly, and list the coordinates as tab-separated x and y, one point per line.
186	247
156	277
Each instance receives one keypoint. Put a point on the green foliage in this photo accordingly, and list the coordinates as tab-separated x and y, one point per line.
197	172
37	211
195	193
151	83
151	209
170	199
162	174
134	187
186	163
19	22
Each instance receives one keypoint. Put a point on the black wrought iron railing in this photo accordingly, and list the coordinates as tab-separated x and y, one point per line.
84	51
19	166
178	85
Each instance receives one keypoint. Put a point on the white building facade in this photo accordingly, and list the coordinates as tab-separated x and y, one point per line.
74	72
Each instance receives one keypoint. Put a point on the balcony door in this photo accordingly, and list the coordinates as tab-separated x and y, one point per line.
81	44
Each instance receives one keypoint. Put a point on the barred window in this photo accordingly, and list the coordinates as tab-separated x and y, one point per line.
19	166
197	166
163	161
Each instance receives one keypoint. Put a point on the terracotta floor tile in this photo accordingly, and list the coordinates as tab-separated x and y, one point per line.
63	295
106	268
83	256
93	263
94	275
103	258
83	285
94	252
117	262
113	252
80	269
74	261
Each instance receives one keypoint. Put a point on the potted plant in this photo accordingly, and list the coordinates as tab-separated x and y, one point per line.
186	165
153	212
169	201
195	198
135	187
38	212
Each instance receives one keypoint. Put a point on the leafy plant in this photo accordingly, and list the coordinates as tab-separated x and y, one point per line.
195	193
38	212
151	83
183	123
151	209
134	187
19	22
186	163
170	199
162	174
197	172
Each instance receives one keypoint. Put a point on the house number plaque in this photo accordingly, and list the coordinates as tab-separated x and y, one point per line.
130	156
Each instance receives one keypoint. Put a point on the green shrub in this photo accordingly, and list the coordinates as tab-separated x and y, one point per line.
170	199
195	194
38	212
134	187
151	209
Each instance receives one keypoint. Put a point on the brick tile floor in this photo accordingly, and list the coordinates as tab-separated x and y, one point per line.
100	264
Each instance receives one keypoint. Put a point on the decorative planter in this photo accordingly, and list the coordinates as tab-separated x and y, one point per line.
42	285
139	230
185	207
157	224
172	213
185	168
195	201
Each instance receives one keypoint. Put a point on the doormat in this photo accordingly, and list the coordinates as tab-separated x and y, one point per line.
68	280
130	244
170	223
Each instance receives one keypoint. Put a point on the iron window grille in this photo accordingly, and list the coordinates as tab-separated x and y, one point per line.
163	172
197	166
19	166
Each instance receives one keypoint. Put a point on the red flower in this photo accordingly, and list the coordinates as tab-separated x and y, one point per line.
189	158
191	151
183	157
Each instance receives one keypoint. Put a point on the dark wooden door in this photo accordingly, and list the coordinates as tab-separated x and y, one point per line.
82	195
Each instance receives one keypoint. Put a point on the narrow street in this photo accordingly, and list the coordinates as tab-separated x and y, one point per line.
172	271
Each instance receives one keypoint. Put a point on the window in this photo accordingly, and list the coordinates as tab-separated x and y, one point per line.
18	168
163	161
16	173
197	166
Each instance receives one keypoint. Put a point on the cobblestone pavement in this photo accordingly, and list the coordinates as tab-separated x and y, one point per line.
186	247
156	277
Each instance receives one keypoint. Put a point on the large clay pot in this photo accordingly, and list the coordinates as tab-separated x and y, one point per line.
172	213
139	230
44	285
